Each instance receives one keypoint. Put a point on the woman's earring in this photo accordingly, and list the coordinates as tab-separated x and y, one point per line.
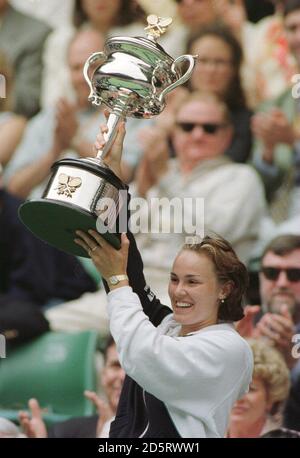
222	299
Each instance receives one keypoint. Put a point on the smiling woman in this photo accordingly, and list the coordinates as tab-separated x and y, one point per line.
259	411
185	369
206	285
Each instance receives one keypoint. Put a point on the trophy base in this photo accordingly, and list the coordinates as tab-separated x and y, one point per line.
55	222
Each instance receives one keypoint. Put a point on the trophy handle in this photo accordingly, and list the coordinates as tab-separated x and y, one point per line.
96	57
183	78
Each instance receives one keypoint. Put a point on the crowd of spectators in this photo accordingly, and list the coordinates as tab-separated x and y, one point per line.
230	136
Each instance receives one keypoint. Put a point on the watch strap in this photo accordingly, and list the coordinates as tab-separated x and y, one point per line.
115	279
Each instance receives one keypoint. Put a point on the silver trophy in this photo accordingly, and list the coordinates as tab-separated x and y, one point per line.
131	77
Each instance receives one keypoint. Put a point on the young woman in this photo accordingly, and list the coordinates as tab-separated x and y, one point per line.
184	369
217	70
259	411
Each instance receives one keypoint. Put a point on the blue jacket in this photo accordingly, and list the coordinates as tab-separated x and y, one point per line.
31	270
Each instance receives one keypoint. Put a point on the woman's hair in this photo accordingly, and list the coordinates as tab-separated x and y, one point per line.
229	269
6	75
270	367
130	11
234	96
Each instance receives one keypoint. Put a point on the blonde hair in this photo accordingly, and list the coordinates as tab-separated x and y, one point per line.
270	367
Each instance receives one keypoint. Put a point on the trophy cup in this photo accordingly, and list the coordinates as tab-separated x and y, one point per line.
131	77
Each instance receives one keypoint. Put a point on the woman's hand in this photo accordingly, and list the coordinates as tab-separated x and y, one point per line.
107	259
113	157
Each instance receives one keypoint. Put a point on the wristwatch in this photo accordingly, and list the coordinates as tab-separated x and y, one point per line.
115	279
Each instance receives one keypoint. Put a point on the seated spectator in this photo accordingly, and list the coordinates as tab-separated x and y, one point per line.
279	284
32	275
278	319
260	410
25	55
217	70
11	125
112	377
270	60
193	15
276	155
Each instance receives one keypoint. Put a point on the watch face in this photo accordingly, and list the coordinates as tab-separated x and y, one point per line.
113	280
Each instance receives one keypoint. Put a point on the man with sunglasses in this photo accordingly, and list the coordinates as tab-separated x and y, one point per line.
279	285
280	276
280	293
278	318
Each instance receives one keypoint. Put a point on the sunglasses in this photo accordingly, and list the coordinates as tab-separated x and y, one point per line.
208	127
272	273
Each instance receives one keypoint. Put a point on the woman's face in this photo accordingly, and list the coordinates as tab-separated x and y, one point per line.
194	291
101	12
196	13
251	410
213	70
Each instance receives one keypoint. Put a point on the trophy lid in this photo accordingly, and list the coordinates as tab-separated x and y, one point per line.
157	26
142	46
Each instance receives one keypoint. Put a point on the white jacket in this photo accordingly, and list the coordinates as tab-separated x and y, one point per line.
198	377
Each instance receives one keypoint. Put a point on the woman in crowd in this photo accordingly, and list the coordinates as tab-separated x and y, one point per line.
184	369
106	16
217	70
260	410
